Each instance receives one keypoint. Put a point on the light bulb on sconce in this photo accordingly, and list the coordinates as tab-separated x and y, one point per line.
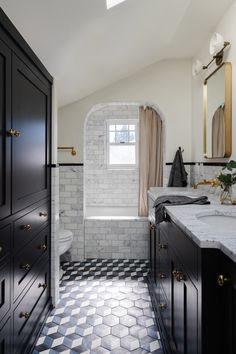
216	49
197	67
216	43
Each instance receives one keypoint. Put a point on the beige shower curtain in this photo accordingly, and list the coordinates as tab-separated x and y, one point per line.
218	133
150	154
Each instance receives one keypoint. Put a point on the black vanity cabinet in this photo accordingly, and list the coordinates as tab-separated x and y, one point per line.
194	295
25	197
226	280
152	253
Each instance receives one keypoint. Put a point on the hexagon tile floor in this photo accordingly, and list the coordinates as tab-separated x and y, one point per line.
104	308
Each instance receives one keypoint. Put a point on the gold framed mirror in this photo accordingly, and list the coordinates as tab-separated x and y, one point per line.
218	113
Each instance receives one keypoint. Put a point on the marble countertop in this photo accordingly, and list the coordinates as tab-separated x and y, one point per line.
187	218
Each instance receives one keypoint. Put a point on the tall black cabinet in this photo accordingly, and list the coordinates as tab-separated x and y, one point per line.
25	123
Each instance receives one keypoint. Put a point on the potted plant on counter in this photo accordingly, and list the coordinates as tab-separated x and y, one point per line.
227	179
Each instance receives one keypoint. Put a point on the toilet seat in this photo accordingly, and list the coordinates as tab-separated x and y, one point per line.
65	240
65	235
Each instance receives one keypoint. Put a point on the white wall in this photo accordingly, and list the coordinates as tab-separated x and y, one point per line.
226	27
167	84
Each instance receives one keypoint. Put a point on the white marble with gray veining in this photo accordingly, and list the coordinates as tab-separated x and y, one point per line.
187	218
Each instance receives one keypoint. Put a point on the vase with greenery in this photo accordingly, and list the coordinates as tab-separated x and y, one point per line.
227	179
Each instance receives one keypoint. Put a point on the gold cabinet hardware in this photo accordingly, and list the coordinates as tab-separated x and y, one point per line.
44	286
163	247
1	249
162	306
161	276
152	227
174	272
12	132
24	315
25	266
179	276
43	214
27	227
221	280
43	247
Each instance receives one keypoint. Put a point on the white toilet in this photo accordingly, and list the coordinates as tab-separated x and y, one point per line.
65	240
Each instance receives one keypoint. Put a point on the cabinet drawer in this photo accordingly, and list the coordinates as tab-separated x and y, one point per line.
26	227
5	242
28	312
185	248
27	262
164	309
5	338
5	289
164	275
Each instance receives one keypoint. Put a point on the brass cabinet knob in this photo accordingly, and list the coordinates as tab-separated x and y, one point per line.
179	275
43	247
43	214
162	306
44	286
25	266
27	227
1	249
12	132
161	276
174	272
163	246
24	315
221	280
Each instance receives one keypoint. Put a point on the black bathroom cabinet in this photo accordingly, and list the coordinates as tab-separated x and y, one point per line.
25	125
193	291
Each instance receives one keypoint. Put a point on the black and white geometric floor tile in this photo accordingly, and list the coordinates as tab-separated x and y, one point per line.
104	308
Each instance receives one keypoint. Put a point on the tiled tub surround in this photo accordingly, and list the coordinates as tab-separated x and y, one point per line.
103	237
104	308
71	207
116	237
205	236
103	186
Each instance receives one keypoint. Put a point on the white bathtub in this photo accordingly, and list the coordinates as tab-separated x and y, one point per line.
103	212
115	233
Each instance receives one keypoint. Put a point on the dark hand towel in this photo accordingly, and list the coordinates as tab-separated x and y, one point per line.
164	200
178	175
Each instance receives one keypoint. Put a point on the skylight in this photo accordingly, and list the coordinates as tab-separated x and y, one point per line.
112	3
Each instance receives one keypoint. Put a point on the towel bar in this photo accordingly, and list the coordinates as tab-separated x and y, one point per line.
73	151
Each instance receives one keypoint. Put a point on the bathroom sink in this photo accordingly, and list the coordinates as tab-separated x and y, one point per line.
219	221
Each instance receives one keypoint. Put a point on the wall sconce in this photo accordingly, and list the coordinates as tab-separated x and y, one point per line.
216	49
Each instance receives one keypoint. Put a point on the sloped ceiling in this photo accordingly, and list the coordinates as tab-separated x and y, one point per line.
87	47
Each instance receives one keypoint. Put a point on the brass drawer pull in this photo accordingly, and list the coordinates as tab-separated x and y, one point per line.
24	315
25	266
43	247
43	214
163	247
162	276
44	286
179	276
27	227
174	272
12	132
162	306
221	280
1	249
